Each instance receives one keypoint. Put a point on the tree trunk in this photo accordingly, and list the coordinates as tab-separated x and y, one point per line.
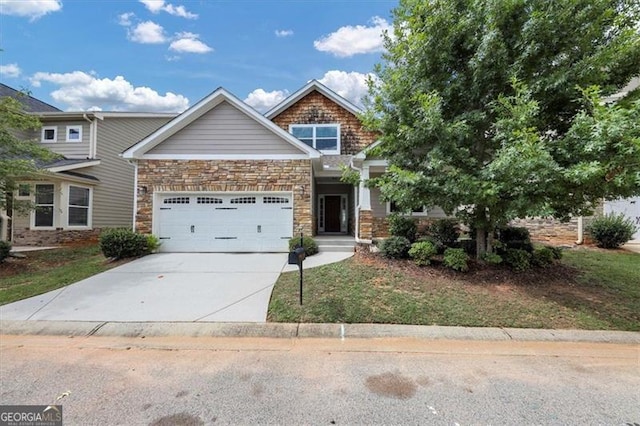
481	242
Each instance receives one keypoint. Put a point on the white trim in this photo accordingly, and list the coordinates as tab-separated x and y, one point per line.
224	157
365	191
66	193
362	155
376	163
314	137
56	215
77	127
198	110
135	194
55	134
75	166
304	91
424	212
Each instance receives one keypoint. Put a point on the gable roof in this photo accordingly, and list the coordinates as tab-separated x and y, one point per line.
308	88
198	110
29	103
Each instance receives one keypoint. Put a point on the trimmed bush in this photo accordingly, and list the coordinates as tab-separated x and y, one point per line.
120	243
612	230
456	259
514	233
542	256
518	260
557	252
401	226
492	258
444	232
5	249
422	252
309	244
395	247
153	243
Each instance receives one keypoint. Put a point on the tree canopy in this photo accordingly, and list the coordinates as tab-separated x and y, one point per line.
18	154
491	109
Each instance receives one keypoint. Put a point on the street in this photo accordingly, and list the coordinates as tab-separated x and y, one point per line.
207	380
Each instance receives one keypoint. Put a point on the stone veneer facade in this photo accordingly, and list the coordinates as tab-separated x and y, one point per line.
227	176
315	108
42	238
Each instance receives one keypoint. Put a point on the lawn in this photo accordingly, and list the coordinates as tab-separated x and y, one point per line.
46	270
589	289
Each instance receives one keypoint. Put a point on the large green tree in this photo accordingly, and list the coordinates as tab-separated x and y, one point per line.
488	109
19	155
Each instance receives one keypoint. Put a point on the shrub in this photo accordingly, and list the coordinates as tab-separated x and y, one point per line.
612	230
514	233
5	249
444	231
542	256
469	246
120	243
422	252
400	226
557	252
153	243
395	247
492	258
456	259
517	259
309	244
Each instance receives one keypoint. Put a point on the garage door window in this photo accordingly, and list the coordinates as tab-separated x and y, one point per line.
243	200
275	200
176	200
209	200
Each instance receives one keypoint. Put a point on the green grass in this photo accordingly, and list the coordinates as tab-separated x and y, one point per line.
46	270
588	290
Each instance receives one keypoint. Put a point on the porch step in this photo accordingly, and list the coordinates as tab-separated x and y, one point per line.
342	244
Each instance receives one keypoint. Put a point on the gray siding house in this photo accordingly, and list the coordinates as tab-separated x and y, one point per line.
90	186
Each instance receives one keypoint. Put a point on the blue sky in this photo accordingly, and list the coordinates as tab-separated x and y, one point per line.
155	55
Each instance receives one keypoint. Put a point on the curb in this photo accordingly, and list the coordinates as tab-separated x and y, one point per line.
297	331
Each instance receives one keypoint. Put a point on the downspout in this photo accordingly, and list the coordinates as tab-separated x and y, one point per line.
580	240
135	193
93	135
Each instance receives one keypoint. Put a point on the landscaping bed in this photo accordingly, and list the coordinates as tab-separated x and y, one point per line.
587	289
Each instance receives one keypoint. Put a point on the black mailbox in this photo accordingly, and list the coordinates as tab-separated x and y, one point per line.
297	256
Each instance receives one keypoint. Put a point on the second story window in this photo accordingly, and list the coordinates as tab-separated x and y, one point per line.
49	134
74	133
323	137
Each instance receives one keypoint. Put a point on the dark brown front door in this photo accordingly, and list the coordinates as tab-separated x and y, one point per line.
332	213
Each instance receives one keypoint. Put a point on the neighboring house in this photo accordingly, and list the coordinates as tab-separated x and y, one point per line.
90	187
223	177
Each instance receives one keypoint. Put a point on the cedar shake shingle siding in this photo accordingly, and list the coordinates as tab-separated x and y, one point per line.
316	108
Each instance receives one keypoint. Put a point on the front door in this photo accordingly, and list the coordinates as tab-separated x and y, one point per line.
332	213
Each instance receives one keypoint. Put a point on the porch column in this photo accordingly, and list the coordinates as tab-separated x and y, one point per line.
365	194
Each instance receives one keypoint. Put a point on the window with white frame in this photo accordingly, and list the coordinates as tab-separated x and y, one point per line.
323	137
79	204
393	208
74	133
49	134
44	200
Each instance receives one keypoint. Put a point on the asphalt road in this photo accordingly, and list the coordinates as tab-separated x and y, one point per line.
180	380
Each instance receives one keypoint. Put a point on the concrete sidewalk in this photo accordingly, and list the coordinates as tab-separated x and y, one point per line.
293	331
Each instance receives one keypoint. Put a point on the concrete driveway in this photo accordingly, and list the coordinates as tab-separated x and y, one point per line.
221	287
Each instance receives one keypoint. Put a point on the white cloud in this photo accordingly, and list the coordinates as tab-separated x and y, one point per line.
190	43
349	41
81	91
350	85
156	6
125	19
284	33
10	70
148	32
264	101
32	9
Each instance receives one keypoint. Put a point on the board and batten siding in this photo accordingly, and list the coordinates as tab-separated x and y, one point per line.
225	130
71	150
113	195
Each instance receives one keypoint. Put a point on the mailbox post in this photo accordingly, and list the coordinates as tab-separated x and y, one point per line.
297	256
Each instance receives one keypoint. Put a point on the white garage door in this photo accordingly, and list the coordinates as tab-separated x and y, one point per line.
630	207
219	222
